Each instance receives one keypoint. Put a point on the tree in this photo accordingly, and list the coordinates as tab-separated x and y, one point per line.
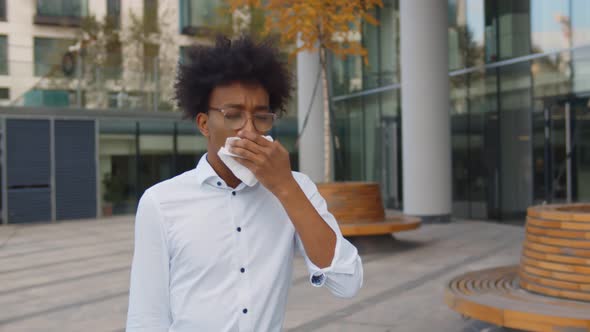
317	25
137	57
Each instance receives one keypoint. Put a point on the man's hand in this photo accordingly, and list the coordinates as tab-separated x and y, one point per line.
269	161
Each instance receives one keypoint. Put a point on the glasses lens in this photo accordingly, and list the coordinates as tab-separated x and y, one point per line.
234	118
264	121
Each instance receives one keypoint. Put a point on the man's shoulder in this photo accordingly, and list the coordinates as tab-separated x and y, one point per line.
170	188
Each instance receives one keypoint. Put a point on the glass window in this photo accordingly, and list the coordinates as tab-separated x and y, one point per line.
118	166
389	156
460	145
467	32
550	25
348	122
581	68
515	139
581	22
483	136
285	130
2	10
68	8
389	42
156	148
491	31
150	15
114	12
514	28
3	55
4	93
551	75
48	55
457	34
475	32
372	71
347	74
581	142
198	13
371	115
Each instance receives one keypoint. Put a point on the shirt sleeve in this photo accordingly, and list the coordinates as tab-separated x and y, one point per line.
149	302
344	276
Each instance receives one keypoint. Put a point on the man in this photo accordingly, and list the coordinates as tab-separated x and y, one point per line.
211	253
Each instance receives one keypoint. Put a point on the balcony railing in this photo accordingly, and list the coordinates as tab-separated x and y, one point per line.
61	12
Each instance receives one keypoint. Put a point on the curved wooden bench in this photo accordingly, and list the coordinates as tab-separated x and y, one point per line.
494	296
359	210
549	290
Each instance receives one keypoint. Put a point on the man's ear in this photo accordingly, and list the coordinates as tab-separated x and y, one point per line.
202	121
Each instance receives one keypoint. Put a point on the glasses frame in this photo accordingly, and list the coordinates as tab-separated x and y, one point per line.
223	111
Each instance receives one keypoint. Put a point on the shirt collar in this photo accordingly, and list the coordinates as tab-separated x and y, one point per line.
204	170
206	174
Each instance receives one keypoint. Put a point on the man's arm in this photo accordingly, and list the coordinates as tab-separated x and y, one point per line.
149	302
319	240
331	259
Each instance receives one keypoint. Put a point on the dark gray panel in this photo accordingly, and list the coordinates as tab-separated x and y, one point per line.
75	169
28	151
28	170
29	205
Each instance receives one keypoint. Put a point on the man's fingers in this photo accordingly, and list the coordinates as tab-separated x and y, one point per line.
249	164
258	139
248	145
245	154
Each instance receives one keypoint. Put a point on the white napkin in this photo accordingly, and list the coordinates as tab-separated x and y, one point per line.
239	170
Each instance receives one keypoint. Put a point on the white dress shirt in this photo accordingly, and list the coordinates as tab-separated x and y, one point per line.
211	258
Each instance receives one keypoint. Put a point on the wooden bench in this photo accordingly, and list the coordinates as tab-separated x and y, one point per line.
549	290
359	210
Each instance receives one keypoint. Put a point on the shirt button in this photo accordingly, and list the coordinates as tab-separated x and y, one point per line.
239	229
245	311
242	270
218	183
233	193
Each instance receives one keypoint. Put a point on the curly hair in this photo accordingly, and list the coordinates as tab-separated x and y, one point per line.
241	60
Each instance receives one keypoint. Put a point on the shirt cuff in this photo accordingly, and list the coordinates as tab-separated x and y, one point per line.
344	261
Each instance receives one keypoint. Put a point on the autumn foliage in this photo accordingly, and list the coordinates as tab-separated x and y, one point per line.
334	25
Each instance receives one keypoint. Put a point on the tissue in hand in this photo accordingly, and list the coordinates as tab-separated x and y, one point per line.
239	170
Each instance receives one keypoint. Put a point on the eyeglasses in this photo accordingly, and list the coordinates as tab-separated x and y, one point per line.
235	118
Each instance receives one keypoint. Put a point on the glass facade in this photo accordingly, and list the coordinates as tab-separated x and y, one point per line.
134	155
519	77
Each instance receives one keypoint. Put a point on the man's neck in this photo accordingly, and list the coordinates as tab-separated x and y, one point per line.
222	171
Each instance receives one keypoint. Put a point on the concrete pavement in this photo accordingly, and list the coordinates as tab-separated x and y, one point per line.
74	276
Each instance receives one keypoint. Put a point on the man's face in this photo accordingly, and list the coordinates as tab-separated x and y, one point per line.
247	98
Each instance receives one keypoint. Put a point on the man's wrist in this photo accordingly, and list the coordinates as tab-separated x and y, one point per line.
287	189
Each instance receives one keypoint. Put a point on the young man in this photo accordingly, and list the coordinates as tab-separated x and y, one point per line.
212	253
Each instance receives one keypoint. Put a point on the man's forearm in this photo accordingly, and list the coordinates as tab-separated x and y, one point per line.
318	239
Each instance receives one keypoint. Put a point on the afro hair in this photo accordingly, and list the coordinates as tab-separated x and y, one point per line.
245	60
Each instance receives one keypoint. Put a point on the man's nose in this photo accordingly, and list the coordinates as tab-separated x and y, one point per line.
249	125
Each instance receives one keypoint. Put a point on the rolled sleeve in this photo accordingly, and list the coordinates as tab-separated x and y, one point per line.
149	302
344	276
